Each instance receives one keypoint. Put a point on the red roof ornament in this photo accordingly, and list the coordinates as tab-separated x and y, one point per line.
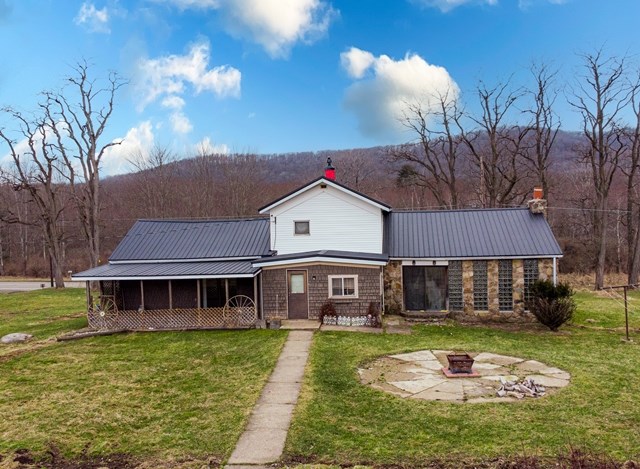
330	171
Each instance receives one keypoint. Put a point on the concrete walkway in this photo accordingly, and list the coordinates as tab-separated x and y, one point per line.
263	440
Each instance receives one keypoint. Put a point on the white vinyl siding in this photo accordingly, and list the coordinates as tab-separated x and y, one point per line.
339	222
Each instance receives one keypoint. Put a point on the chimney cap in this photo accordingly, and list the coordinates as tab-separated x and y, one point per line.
330	171
329	165
537	193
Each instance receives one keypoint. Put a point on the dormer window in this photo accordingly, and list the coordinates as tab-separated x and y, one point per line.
301	227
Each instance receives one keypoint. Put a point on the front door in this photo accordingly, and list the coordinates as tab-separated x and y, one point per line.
297	286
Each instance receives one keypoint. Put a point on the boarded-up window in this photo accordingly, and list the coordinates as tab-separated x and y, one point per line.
480	284
456	298
505	285
531	274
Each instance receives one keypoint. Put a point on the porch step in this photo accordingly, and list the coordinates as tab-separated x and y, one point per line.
426	316
300	324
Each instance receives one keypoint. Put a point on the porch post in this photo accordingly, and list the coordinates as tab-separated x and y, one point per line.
142	294
198	292
555	271
170	295
226	290
88	294
255	294
261	298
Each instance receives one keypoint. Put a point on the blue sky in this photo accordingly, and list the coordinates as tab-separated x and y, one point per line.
273	76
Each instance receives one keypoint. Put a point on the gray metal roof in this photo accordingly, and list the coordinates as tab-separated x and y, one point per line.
180	239
155	270
469	234
329	254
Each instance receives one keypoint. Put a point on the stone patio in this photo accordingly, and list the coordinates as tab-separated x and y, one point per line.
418	375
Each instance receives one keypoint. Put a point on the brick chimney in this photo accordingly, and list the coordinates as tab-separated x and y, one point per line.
537	204
330	171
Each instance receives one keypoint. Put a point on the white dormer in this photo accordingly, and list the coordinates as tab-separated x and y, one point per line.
325	215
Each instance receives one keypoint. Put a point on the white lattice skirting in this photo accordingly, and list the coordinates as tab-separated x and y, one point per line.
171	319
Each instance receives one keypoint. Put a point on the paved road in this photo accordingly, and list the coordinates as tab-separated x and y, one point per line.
7	287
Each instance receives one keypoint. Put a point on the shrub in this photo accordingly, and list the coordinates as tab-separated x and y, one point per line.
373	313
327	309
552	305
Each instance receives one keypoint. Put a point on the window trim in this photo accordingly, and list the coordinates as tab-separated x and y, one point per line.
295	222
342	277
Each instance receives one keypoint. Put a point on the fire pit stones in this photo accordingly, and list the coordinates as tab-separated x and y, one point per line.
418	375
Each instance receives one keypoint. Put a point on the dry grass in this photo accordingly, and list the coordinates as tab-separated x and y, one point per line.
586	282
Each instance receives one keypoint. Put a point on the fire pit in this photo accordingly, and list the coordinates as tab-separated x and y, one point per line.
460	363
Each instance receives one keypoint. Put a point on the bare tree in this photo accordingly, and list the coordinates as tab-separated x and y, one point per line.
630	167
36	170
357	172
240	176
600	94
497	148
78	116
544	125
155	180
432	161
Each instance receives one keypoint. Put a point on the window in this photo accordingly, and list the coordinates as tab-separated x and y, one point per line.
480	293
531	274
301	227
505	285
456	299
343	286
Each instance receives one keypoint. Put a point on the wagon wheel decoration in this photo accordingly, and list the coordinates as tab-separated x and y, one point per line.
104	314
240	310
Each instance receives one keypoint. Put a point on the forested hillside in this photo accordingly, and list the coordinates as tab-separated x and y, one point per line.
220	186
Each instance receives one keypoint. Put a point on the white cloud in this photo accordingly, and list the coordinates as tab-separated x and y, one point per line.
173	102
138	140
356	61
380	100
180	123
276	25
169	75
206	147
94	20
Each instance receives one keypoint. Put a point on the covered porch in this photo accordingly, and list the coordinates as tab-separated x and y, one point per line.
213	295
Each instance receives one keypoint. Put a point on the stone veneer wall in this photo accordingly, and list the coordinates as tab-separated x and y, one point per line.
393	291
393	287
275	289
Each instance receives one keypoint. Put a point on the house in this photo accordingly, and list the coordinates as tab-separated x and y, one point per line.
325	242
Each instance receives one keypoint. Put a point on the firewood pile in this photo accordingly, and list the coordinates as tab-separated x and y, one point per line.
520	388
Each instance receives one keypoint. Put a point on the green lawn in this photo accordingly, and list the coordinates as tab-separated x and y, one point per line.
163	394
42	313
151	395
173	395
606	309
338	420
